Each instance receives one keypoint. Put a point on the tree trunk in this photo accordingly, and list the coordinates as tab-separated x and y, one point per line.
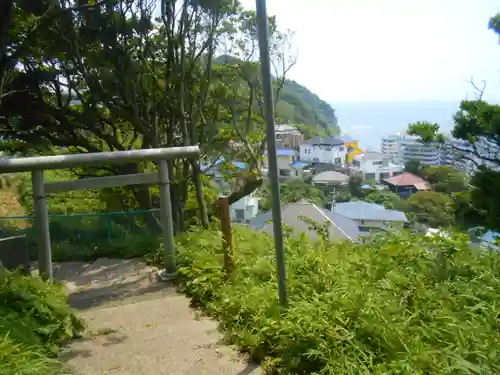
143	196
200	198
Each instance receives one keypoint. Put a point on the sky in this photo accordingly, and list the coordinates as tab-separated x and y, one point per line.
392	50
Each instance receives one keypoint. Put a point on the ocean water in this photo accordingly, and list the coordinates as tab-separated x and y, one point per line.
368	122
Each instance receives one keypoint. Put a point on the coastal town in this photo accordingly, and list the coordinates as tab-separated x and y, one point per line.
331	164
183	193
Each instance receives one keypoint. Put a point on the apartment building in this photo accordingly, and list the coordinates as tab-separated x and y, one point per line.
401	148
458	154
288	136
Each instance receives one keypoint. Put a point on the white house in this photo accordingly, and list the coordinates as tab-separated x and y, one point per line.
374	165
326	150
245	209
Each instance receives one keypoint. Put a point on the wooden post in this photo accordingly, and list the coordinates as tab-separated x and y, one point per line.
227	235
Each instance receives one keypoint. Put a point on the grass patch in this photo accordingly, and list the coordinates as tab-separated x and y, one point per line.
400	304
35	319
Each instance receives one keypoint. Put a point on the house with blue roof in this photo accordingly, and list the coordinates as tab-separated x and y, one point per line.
288	164
370	217
218	170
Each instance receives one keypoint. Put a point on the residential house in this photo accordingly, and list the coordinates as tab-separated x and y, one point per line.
406	184
288	165
245	209
288	136
352	147
324	150
293	214
330	179
218	171
372	165
370	217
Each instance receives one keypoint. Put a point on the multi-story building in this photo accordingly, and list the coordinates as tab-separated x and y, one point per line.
288	136
458	154
372	165
401	148
324	150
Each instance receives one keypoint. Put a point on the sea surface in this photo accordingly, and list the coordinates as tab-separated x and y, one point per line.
369	122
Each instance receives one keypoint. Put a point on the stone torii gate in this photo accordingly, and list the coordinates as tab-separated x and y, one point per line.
36	165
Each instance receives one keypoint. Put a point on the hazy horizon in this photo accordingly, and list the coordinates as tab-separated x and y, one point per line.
369	121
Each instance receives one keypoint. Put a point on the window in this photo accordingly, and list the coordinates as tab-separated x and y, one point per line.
239	215
284	172
338	160
369	176
378	162
341	148
356	163
328	149
364	229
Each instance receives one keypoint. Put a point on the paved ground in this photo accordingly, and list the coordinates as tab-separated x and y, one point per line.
139	326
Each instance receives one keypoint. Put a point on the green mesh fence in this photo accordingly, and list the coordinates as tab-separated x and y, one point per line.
83	236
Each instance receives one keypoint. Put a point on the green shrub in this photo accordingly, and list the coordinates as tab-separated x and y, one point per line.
35	319
86	238
20	359
399	304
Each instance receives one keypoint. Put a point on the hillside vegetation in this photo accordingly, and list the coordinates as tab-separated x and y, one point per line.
400	304
35	320
298	105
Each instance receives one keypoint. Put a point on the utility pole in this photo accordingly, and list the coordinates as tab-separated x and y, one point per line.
267	85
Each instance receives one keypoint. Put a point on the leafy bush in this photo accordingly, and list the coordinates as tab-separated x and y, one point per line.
35	319
90	237
398	304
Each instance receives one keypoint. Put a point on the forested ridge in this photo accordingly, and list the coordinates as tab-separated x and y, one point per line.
301	106
297	104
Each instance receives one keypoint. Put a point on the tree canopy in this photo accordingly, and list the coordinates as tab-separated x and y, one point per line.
477	124
432	208
86	76
293	191
445	179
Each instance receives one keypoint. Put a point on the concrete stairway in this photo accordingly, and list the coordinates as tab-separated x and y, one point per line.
139	326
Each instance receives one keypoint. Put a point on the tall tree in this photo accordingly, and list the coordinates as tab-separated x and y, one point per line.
105	76
477	122
445	179
432	208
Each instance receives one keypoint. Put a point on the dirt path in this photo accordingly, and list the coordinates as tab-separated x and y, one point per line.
139	326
